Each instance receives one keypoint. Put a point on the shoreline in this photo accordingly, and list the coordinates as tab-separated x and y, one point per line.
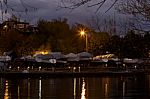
47	74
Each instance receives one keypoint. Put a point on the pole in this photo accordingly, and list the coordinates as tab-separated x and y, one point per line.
86	42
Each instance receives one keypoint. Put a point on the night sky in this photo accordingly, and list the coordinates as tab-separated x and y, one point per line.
49	9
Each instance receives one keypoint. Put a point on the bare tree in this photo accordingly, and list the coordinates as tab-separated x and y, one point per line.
134	7
12	7
139	9
103	24
73	4
95	22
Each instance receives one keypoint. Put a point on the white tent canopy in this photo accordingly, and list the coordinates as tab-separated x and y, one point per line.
57	55
72	57
85	56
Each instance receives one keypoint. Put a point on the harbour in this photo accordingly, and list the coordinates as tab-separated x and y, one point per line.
77	69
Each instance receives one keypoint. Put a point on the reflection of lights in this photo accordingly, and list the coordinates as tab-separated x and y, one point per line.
83	90
40	88
18	92
6	83
106	84
74	88
6	96
123	88
28	88
106	89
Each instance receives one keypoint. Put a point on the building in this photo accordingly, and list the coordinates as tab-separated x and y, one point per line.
21	26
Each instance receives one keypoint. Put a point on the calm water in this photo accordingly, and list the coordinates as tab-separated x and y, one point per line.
119	87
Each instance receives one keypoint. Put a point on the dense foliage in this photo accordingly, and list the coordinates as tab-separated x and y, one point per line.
132	45
59	36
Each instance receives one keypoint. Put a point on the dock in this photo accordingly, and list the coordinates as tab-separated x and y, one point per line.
60	74
31	69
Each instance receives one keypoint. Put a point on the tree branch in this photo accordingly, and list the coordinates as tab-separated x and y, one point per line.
111	6
77	3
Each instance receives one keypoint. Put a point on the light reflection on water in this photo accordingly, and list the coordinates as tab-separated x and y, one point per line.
28	88
83	93
18	92
106	84
40	89
76	88
6	96
106	90
123	89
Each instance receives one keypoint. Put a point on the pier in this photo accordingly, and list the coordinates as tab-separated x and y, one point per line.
73	69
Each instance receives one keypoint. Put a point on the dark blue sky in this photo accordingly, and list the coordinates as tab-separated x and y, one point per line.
47	9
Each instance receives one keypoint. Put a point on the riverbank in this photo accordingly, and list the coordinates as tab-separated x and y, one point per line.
45	74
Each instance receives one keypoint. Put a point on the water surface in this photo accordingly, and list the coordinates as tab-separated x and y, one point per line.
118	87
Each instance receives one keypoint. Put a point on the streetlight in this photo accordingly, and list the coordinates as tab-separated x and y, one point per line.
82	32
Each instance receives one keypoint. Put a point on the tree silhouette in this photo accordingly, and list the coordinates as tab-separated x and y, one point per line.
11	7
139	9
73	4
